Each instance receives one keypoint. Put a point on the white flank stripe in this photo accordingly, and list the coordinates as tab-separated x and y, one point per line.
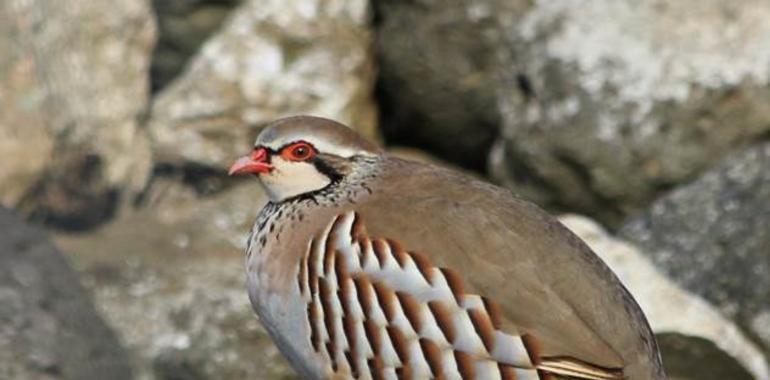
387	351
441	289
354	306
372	265
467	340
450	365
390	374
420	368
487	369
472	301
430	329
526	374
510	349
411	280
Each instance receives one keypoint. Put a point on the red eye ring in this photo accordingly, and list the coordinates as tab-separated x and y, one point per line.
299	151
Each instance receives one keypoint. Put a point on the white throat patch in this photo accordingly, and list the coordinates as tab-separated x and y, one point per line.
292	178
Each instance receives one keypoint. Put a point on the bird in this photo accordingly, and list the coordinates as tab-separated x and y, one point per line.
362	265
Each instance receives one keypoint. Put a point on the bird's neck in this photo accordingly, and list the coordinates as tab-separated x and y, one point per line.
349	189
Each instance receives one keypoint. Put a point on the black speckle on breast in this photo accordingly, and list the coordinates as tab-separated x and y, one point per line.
274	216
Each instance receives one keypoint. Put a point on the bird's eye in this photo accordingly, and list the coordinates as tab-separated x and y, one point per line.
300	151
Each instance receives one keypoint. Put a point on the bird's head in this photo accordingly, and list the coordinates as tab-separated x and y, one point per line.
303	154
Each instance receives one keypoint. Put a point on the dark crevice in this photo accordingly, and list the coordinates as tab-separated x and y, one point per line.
204	180
73	197
528	177
402	126
582	173
681	351
554	198
525	86
423	103
376	14
95	210
764	137
183	26
611	213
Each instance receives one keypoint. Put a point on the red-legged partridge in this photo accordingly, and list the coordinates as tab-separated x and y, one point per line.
366	266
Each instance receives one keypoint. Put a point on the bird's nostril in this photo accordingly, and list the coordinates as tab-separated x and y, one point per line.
259	154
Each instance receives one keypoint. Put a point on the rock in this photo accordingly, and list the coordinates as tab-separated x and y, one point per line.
658	91
73	82
173	284
439	63
21	125
49	328
626	99
270	59
712	237
689	329
183	25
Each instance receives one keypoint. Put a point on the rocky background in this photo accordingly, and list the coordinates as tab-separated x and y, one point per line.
646	123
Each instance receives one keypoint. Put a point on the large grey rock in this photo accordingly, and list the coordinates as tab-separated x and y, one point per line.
270	59
439	67
713	237
626	99
697	342
73	81
603	104
49	328
173	284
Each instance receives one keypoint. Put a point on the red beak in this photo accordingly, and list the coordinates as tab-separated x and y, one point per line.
254	164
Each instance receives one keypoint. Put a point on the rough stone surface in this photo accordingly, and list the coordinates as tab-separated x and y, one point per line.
49	328
712	237
73	81
689	328
271	59
625	99
173	284
439	64
183	25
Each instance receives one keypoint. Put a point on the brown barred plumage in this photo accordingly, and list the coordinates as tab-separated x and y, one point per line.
403	302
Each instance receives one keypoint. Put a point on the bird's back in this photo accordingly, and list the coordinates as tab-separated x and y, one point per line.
494	273
548	282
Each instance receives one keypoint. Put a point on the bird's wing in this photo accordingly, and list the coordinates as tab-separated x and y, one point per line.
378	309
547	282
